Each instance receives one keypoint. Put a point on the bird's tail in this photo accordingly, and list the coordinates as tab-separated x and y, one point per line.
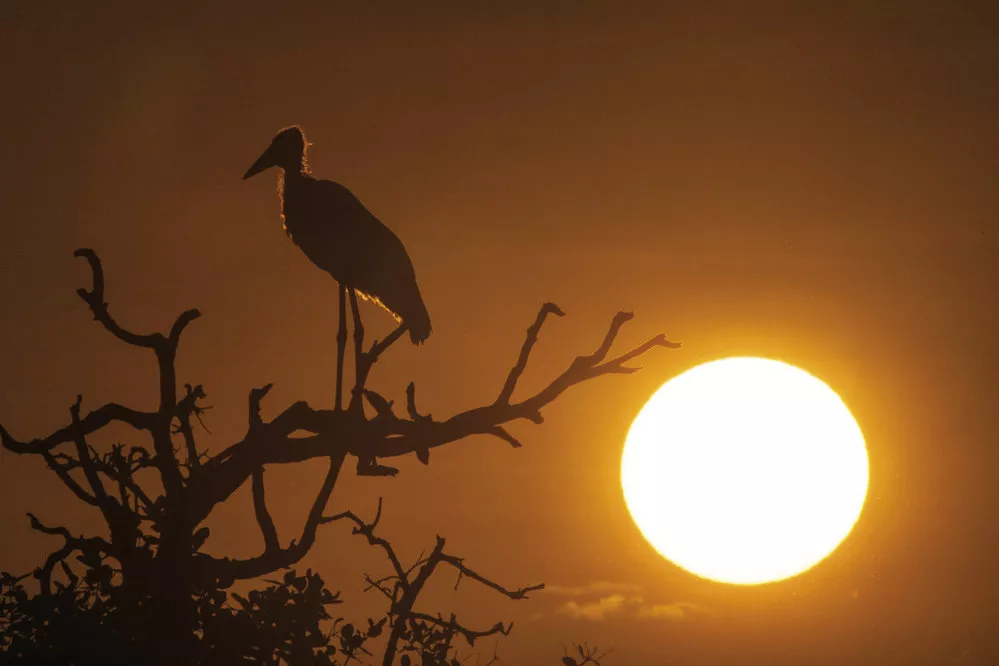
418	323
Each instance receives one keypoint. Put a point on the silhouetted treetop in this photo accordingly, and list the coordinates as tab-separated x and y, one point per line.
148	581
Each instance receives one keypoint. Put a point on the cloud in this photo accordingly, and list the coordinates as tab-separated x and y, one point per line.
594	610
600	600
597	587
675	611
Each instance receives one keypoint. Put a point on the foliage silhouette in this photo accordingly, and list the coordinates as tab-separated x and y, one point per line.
145	592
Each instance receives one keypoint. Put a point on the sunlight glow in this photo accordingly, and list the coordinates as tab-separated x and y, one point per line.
745	470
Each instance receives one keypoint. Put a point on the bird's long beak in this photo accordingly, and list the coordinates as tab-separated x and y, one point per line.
263	162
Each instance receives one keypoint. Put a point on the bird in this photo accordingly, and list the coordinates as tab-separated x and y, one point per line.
342	237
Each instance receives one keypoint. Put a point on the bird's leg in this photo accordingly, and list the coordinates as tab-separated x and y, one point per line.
358	340
360	375
341	343
367	464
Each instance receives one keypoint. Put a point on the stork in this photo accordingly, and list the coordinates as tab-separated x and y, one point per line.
339	235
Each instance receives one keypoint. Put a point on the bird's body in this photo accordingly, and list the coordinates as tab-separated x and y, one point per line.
339	235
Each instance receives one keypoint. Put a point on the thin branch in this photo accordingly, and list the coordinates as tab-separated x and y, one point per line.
587	654
83	452
38	526
412	586
519	593
165	348
382	407
44	573
180	324
71	543
122	475
379	348
271	559
367	530
380	586
619	320
500	431
92	422
525	351
187	406
470	635
658	341
95	299
411	436
256	396
62	471
264	519
411	409
365	360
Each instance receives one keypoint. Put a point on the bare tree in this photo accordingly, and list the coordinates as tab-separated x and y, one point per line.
150	564
429	637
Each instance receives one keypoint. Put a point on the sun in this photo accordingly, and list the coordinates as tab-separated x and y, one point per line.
745	470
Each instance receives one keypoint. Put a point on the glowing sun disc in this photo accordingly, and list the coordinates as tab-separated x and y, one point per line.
745	470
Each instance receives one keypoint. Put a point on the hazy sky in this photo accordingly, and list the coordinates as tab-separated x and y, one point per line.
813	185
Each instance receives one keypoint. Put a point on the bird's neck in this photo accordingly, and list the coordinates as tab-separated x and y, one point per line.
288	181
289	178
295	165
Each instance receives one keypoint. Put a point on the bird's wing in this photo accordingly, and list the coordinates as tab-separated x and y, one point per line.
371	257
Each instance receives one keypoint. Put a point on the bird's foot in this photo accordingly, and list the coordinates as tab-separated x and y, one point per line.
370	467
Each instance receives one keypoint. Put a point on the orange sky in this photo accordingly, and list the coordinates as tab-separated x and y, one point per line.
817	186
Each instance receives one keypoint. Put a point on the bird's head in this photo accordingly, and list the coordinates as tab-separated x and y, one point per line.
286	151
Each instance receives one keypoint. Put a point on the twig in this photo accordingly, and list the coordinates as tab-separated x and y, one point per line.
519	593
272	559
267	528
525	351
408	587
367	530
71	543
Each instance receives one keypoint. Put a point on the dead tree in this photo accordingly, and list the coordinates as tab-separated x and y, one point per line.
427	636
154	536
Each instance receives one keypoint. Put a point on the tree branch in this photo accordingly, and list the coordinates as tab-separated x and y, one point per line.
187	406
119	469
458	563
470	635
93	422
264	519
525	351
62	471
411	586
165	348
95	299
364	361
367	530
387	436
500	431
71	543
272	559
86	462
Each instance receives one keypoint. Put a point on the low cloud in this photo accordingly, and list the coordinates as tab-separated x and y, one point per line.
601	600
600	587
595	610
674	611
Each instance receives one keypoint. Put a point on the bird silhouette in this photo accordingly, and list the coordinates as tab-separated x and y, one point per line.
339	235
